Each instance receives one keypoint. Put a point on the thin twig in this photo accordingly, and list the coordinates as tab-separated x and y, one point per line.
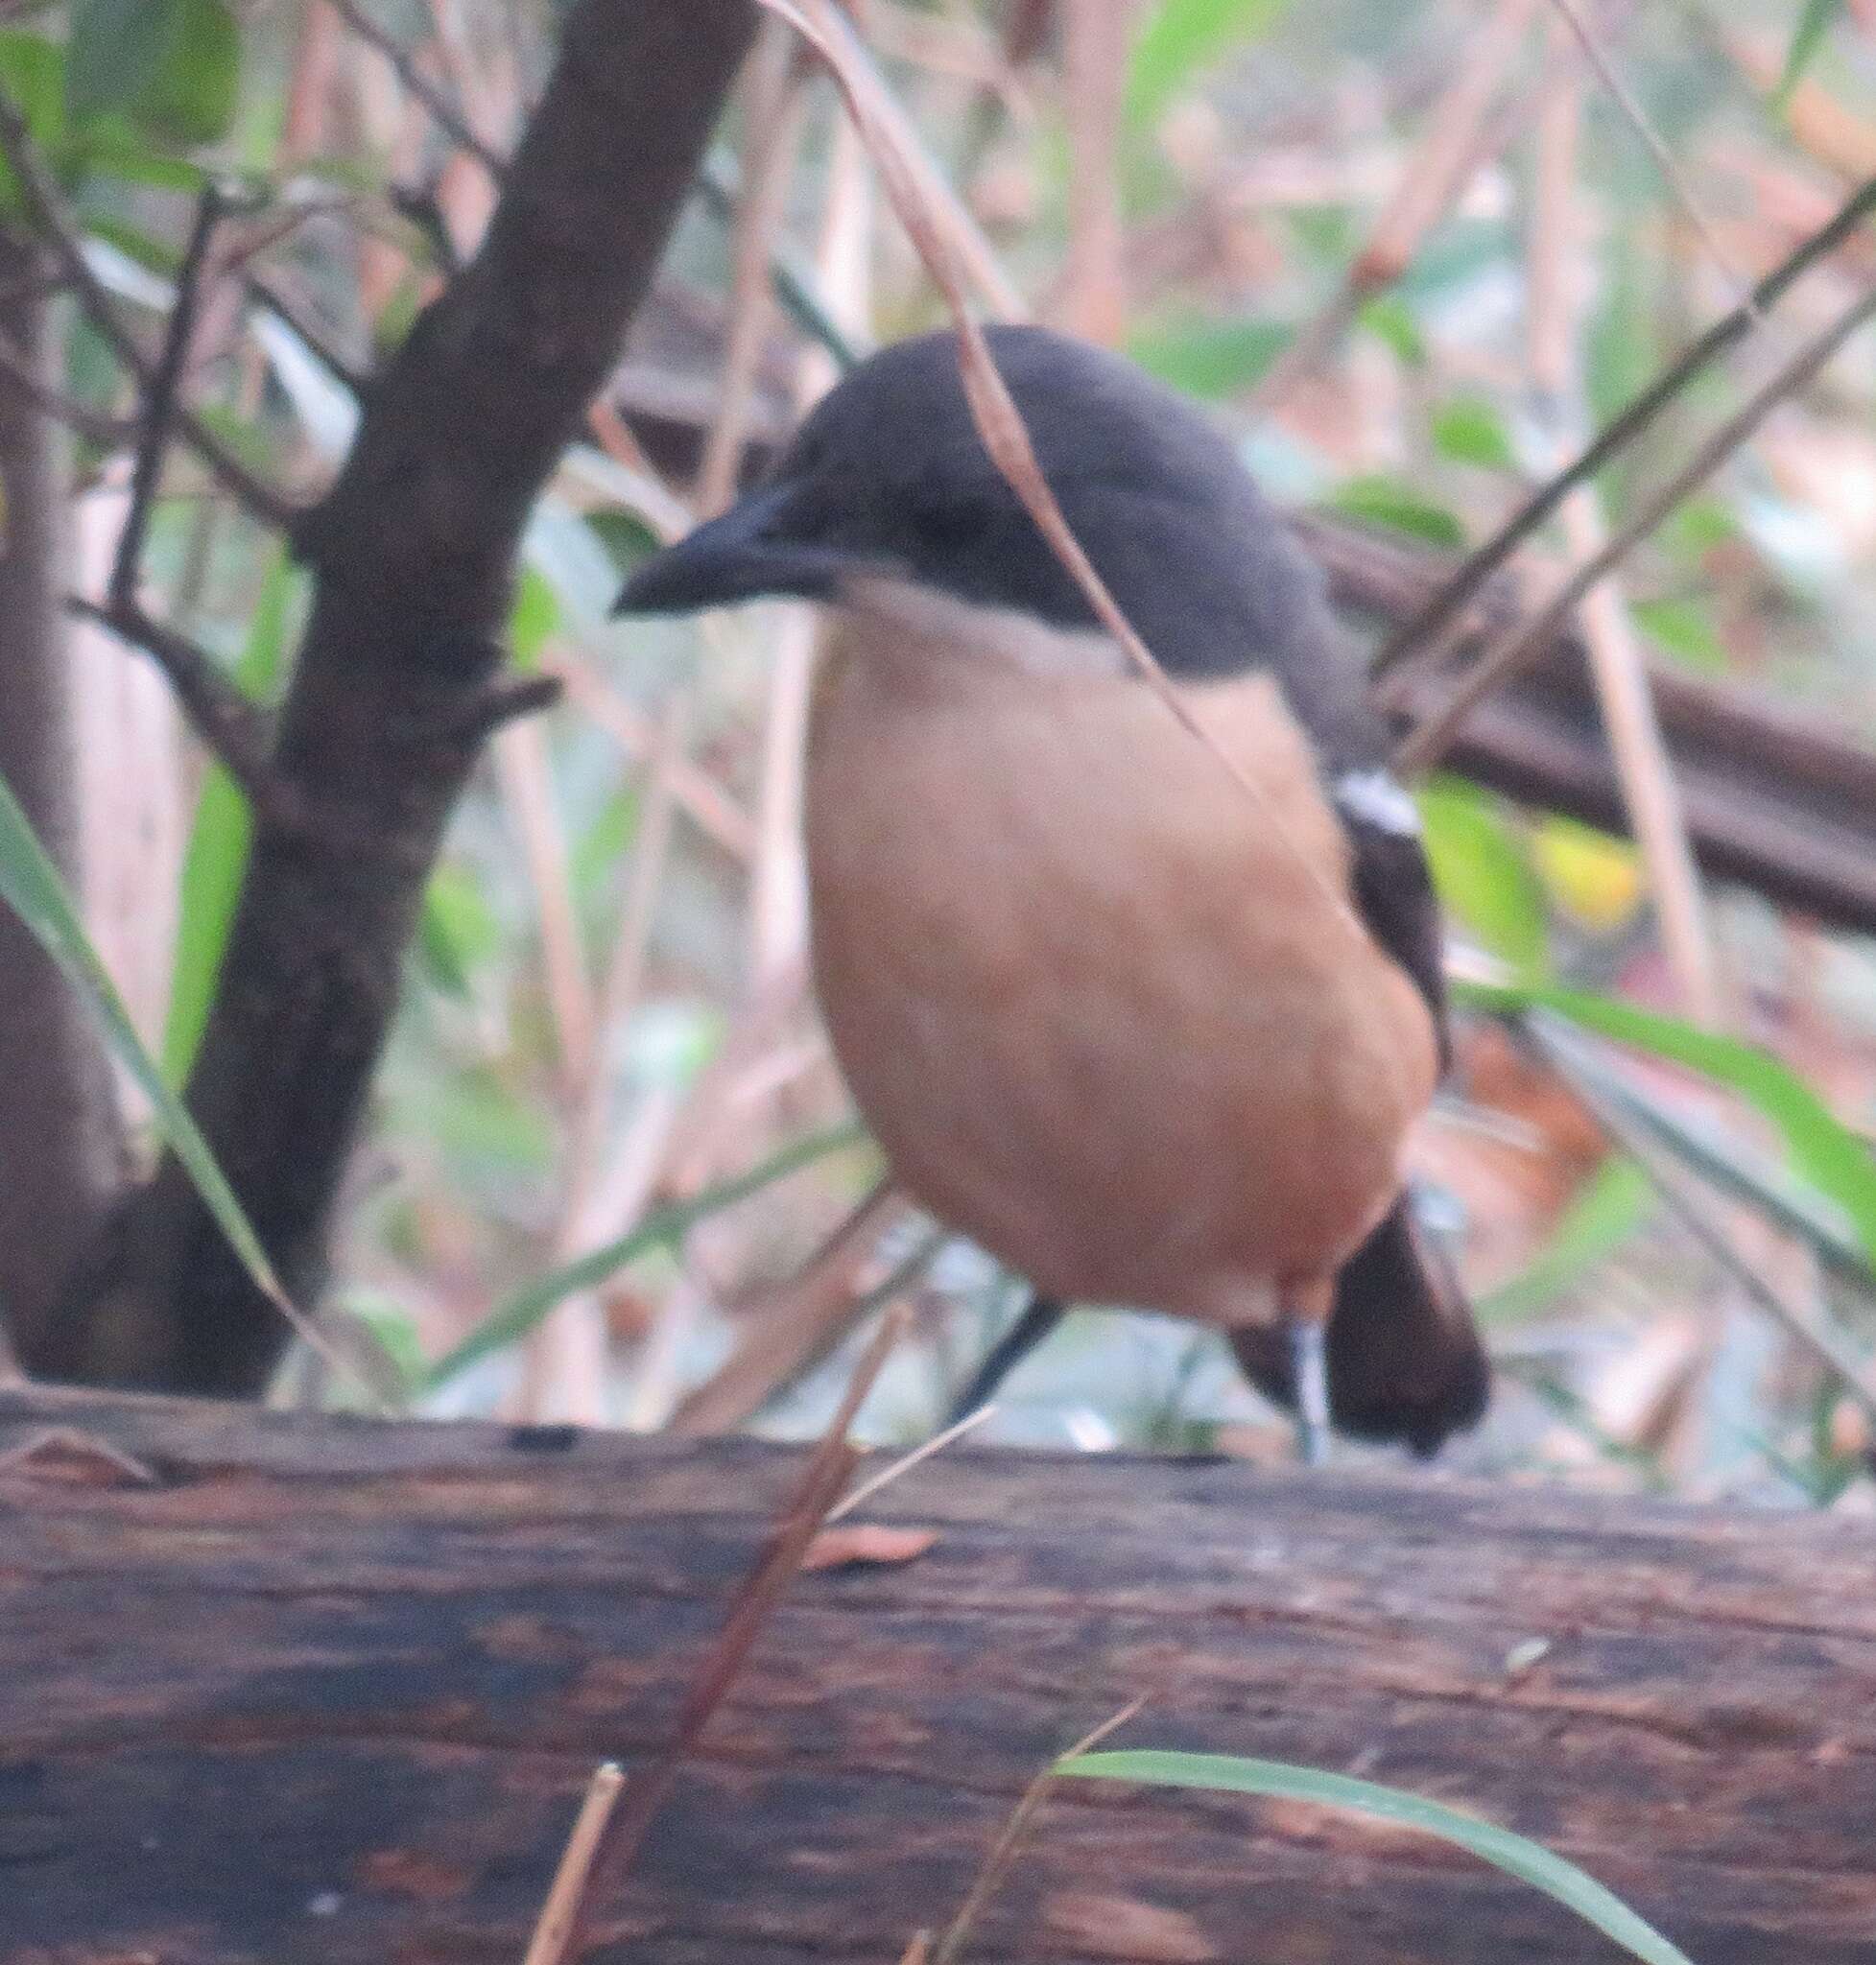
555	1928
773	104
717	181
1095	37
778	891
159	401
236	732
446	114
997	1863
98	425
793	1324
560	1351
1610	76
717	184
525	777
1524	644
828	1470
270	299
1415	636
1461	134
1651	794
885	1475
46	207
711	807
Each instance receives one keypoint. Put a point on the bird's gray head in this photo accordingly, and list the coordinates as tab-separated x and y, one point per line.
887	482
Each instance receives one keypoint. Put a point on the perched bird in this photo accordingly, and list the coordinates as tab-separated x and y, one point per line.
1147	1038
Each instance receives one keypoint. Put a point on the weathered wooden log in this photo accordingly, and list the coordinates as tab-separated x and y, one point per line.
283	1688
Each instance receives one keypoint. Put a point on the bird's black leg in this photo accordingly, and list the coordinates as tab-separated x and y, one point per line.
1304	1312
1041	1316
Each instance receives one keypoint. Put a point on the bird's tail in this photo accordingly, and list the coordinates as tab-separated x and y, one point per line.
1405	1360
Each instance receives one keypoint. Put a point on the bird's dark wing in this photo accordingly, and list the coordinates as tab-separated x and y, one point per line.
1405	1360
1392	884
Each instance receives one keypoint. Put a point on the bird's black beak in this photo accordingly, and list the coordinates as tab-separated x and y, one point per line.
748	554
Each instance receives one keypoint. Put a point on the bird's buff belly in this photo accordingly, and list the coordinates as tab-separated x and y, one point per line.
1102	1013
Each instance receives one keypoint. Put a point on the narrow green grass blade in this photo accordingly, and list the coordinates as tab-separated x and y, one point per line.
217	854
1807	37
522	1312
1600	1219
29	884
1828	1153
1515	1854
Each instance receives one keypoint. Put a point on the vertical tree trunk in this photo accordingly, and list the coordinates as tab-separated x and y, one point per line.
390	701
59	1141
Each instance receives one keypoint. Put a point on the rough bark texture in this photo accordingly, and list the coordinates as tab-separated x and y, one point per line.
329	1692
389	700
58	1137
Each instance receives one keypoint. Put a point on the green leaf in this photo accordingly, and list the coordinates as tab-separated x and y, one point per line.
1700	526
1683	625
33	80
534	618
1484	875
458	930
1529	1862
1179	38
1815	22
1391	319
1385	500
1470	431
1210	358
156	255
494	1133
1602	1216
170	66
113	147
1620	345
1835	1159
29	884
217	854
665	1226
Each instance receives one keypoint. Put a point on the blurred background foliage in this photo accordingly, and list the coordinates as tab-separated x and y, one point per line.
608	1149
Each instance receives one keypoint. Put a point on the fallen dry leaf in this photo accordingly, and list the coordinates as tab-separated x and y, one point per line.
866	1542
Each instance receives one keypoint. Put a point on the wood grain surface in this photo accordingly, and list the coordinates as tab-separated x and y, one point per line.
286	1688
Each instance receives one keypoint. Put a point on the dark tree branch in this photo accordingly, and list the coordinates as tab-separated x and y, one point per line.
235	731
416	205
269	298
412	551
1417	635
45	206
502	702
1778	804
159	404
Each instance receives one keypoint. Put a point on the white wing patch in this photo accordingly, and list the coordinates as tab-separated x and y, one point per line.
1378	799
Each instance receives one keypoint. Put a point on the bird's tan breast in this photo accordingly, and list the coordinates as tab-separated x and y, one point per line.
1100	1004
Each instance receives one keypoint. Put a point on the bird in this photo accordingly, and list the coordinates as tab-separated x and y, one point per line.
1145	1008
